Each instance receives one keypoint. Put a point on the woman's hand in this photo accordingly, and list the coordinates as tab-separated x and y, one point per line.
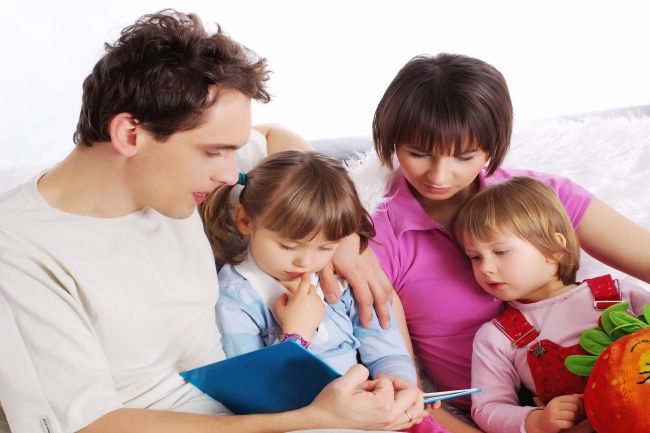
371	287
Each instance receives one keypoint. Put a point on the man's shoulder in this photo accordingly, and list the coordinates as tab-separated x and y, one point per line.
16	207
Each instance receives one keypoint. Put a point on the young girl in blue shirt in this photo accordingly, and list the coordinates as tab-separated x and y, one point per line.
293	211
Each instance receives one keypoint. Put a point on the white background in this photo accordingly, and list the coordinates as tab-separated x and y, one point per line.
331	59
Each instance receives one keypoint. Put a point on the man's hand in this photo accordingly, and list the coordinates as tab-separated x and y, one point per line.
352	401
371	287
560	413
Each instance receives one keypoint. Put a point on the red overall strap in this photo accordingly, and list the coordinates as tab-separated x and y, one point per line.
515	326
550	375
605	291
545	358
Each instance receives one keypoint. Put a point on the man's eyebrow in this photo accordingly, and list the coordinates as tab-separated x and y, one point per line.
218	146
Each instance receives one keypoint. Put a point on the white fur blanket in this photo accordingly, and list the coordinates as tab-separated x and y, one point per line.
608	156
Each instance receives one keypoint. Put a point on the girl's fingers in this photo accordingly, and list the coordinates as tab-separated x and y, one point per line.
304	285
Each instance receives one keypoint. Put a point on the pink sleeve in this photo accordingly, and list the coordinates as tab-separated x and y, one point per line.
496	408
385	245
638	296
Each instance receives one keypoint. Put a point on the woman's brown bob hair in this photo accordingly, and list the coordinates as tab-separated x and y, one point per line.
296	194
447	104
530	210
161	71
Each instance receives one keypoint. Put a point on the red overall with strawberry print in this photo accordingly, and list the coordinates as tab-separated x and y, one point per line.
546	358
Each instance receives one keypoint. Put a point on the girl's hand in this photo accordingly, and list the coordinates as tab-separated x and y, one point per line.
303	312
364	273
559	414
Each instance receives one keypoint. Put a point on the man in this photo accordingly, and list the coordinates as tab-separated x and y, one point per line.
104	265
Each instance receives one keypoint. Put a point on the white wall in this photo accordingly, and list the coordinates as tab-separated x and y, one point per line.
331	59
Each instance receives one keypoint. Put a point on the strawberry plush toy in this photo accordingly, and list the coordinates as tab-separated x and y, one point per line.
617	395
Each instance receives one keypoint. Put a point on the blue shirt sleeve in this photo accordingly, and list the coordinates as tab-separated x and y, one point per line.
382	351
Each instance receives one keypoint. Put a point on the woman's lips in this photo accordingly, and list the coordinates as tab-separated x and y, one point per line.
436	190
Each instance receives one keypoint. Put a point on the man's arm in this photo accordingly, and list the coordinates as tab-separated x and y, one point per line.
350	401
279	138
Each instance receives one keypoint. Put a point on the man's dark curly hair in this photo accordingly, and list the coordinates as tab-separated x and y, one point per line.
161	71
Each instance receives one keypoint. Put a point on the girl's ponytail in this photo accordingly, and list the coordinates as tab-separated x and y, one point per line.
228	244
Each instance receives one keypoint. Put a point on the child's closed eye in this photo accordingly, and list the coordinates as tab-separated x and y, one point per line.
500	252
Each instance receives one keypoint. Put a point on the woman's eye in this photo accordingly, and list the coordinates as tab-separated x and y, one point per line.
474	258
500	252
418	155
286	247
213	154
465	157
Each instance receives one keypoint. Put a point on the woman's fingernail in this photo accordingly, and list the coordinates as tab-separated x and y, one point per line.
331	298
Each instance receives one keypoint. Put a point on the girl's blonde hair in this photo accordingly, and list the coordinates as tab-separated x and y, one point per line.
530	210
296	194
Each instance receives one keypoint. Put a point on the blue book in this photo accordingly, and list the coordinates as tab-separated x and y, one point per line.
277	378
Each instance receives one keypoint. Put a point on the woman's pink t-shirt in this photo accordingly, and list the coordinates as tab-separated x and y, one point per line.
444	305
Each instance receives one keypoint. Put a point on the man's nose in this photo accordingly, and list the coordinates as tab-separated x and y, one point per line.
228	173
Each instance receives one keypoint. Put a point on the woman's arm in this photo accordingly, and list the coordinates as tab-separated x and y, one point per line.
615	240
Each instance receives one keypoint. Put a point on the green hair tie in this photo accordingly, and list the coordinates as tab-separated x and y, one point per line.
241	178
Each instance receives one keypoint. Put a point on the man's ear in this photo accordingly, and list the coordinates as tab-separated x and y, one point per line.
243	223
123	134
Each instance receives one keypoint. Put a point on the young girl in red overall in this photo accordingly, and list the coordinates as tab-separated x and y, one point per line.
523	249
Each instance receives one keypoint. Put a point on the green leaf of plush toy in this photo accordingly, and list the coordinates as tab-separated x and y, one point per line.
605	319
595	341
580	364
646	314
624	324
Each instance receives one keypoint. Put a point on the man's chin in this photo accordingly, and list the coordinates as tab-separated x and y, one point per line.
177	213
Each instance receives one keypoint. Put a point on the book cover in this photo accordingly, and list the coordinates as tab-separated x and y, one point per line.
277	378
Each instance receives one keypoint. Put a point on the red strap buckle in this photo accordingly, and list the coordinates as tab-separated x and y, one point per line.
603	305
514	325
605	291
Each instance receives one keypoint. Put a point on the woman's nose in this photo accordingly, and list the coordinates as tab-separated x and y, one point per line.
437	173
